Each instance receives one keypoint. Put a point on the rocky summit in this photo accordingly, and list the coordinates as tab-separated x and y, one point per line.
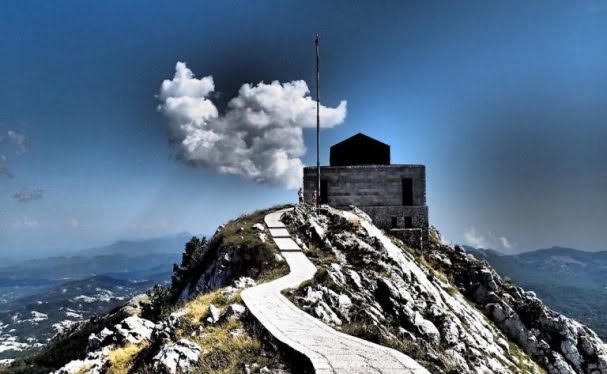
431	308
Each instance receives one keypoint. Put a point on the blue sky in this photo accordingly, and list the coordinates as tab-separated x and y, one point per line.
503	102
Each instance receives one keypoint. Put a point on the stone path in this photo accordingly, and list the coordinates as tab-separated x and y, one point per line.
329	351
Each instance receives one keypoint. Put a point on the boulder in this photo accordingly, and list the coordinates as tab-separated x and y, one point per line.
134	330
176	357
244	282
97	340
559	365
570	351
214	314
174	319
426	328
232	312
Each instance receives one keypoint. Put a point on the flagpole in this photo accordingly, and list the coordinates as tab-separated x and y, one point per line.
317	42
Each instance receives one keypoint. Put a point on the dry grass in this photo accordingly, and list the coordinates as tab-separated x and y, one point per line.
252	257
230	347
227	346
324	257
198	309
121	359
523	362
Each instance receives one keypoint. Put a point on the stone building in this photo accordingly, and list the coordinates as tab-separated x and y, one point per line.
360	174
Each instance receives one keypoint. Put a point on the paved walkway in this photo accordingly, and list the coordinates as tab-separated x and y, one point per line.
329	350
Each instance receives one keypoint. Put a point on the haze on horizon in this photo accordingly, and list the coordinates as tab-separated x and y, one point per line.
503	102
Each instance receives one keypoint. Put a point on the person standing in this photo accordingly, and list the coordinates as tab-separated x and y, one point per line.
300	195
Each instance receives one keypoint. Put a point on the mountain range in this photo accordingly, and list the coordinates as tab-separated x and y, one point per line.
41	297
571	281
435	309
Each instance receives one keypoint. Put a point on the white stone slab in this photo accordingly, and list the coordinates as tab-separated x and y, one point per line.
280	233
286	244
328	350
273	219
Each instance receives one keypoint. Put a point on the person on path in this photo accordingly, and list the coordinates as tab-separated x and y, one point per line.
300	195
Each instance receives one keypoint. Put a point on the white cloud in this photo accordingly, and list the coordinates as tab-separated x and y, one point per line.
74	222
505	243
259	137
475	239
487	241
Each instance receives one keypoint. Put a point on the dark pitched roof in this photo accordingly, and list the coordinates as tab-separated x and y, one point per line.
359	149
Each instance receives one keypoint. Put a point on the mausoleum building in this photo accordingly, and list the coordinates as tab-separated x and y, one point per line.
360	174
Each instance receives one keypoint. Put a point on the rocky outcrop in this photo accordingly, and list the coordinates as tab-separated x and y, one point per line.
133	330
559	343
176	357
152	325
166	349
440	306
434	305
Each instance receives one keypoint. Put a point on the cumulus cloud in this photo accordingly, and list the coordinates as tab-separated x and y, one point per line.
260	136
487	241
26	195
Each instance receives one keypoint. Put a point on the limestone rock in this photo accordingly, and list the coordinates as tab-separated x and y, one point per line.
426	328
371	279
93	363
214	314
176	357
97	340
174	319
560	366
134	329
232	311
244	282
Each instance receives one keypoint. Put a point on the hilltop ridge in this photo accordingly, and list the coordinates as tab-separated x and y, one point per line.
439	305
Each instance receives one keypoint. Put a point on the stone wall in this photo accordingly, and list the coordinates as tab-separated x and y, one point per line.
376	189
411	237
382	215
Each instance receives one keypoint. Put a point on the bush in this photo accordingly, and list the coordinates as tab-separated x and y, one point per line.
160	305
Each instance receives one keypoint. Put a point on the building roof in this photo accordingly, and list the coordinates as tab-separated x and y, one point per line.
359	149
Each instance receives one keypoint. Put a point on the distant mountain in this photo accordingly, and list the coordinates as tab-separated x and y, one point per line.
126	259
30	321
440	308
572	281
40	297
135	248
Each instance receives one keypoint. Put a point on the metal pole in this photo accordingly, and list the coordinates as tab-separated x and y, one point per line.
317	123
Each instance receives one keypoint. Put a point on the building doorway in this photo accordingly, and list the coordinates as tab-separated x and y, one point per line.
408	223
407	187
